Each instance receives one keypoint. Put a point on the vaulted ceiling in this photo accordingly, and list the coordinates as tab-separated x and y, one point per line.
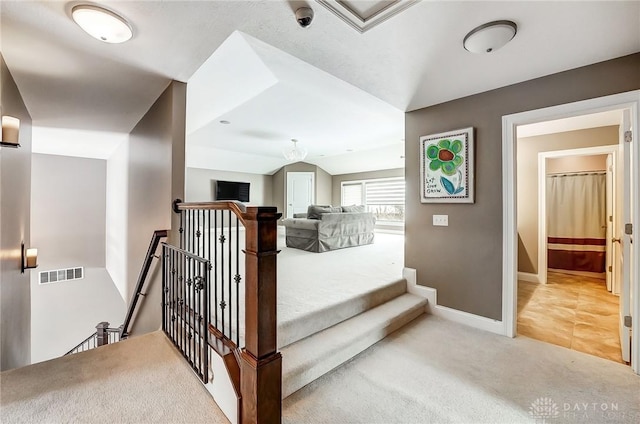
411	60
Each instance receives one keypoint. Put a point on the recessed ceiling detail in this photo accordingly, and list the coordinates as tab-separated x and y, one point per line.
364	15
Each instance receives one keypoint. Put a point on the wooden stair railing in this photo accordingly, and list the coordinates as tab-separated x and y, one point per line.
260	364
146	266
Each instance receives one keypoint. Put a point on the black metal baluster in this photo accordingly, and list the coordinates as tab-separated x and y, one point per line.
164	291
205	352
223	303
190	263
198	233
181	288
176	296
230	278
237	280
208	271
215	268
181	230
173	293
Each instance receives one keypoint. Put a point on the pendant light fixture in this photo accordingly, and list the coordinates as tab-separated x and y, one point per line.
490	37
102	24
295	154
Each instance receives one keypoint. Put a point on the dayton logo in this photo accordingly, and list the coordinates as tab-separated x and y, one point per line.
544	409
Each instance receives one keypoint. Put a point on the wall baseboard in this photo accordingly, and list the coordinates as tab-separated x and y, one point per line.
466	318
527	276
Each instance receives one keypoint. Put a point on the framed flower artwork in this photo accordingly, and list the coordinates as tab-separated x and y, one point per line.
446	167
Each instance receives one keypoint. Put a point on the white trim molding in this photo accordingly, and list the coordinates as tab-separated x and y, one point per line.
461	317
623	101
528	276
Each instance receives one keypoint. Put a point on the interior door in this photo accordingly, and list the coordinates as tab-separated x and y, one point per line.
624	239
300	192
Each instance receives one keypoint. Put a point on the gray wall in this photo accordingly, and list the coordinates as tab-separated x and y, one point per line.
156	177
324	185
464	260
527	178
68	206
200	185
279	187
337	180
323	182
15	227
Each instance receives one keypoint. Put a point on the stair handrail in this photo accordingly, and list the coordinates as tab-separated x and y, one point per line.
146	266
260	362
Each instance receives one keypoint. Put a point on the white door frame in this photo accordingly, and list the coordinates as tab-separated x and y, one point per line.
629	100
542	198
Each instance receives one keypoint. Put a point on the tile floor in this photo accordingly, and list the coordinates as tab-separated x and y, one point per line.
571	311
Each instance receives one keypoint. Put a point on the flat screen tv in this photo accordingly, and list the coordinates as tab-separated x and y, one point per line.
232	190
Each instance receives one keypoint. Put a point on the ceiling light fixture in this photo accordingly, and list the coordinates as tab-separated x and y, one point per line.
295	154
102	24
490	36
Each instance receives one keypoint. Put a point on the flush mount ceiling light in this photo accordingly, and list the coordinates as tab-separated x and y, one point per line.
294	154
102	24
490	36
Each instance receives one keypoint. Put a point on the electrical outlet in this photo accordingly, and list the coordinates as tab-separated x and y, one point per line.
441	220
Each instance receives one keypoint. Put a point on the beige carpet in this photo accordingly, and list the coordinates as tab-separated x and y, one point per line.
436	371
141	380
308	281
431	371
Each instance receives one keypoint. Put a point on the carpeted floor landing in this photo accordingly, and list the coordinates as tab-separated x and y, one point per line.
140	380
437	371
431	371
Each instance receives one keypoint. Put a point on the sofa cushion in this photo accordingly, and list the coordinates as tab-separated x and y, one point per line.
353	208
314	211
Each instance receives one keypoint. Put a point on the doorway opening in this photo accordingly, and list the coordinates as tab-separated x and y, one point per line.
568	300
628	162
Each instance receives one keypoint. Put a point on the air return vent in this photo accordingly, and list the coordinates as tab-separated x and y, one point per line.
59	275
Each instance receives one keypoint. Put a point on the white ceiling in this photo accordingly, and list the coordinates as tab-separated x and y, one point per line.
412	60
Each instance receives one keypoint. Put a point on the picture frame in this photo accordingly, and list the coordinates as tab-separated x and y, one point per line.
446	167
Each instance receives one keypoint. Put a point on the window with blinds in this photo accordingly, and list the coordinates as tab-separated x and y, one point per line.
383	197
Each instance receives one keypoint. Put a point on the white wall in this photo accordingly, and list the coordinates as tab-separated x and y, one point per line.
68	196
200	188
116	217
67	312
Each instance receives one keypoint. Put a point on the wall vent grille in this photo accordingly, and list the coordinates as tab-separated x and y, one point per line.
58	275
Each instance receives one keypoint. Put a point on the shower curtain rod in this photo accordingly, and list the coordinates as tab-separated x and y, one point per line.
571	174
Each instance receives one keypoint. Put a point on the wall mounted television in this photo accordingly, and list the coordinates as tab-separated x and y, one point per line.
232	190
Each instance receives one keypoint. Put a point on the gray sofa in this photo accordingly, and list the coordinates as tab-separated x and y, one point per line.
325	228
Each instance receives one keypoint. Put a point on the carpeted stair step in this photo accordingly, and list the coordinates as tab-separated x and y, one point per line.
310	358
327	316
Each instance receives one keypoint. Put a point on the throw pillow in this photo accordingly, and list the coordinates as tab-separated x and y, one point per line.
314	211
353	208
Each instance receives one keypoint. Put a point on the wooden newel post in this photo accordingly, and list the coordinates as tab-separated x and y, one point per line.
102	334
261	363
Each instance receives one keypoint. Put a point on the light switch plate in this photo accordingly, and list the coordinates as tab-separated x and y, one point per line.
441	220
